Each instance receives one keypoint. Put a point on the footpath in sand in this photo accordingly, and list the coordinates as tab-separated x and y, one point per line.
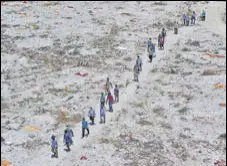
158	112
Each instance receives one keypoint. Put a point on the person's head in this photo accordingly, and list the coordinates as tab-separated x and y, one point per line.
138	56
53	137
150	38
83	118
163	29
109	93
90	108
116	86
194	12
107	78
102	94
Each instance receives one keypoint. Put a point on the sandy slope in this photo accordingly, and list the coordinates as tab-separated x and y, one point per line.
120	122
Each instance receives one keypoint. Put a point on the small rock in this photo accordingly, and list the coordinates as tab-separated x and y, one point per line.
2	139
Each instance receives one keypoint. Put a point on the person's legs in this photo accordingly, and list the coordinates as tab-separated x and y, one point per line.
56	152
88	131
83	131
68	147
92	120
104	117
111	107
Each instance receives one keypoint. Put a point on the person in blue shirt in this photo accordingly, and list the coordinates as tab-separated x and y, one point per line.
84	127
54	146
149	45
203	15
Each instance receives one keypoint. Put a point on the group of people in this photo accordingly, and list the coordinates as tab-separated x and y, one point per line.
192	16
67	139
105	98
151	53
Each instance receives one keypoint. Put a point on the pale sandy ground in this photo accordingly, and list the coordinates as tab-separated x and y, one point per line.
160	111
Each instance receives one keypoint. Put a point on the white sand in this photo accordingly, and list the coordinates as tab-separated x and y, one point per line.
36	69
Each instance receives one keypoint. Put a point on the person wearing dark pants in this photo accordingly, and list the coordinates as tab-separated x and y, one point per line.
102	100
91	115
187	20
184	17
102	115
116	93
111	101
84	127
54	146
203	15
193	18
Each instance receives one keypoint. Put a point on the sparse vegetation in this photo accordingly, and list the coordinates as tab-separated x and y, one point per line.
183	110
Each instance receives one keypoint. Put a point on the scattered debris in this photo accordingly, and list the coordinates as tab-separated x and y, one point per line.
82	75
213	55
5	163
83	158
220	163
222	104
50	3
31	128
217	86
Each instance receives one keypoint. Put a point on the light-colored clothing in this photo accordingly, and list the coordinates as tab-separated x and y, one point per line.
193	15
91	113
102	111
108	85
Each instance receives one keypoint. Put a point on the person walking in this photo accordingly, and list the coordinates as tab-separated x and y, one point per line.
102	114
91	115
84	127
193	18
116	93
54	146
102	99
139	62
111	101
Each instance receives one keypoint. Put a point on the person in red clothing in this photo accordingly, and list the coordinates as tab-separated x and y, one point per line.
111	101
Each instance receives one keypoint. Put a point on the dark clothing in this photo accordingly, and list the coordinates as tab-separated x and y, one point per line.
193	20
203	18
163	34
162	43
102	103
92	119
187	22
175	30
83	131
150	57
